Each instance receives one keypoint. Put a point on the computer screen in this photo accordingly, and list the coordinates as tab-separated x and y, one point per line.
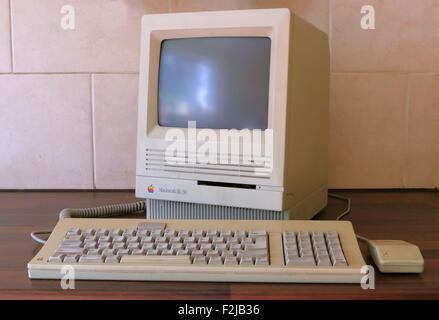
219	82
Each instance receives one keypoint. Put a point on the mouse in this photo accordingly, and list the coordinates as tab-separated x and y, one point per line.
396	256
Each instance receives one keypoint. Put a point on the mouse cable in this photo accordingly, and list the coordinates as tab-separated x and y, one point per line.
346	211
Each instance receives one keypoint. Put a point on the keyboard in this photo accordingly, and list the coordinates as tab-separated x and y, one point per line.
201	250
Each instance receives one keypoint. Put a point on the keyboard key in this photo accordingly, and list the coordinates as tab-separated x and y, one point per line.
56	258
216	260
129	233
138	252
119	245
156	260
71	258
143	233
88	231
162	239
198	233
182	252
70	251
239	234
115	232
94	251
225	233
169	233
91	245
197	253
91	259
230	260
104	245
211	233
235	246
115	239
246	261
211	253
122	252
108	252
74	231
301	261
152	252
74	237
168	252
184	233
221	246
132	239
257	233
71	243
148	246
162	246
102	232
252	253
133	245
324	262
192	246
112	259
228	253
261	261
339	262
199	260
205	246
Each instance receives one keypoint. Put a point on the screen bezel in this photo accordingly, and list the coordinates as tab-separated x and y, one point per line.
154	129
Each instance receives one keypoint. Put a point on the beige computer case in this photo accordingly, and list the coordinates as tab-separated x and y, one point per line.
298	114
306	145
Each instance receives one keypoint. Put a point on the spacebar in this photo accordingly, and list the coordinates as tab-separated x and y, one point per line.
156	260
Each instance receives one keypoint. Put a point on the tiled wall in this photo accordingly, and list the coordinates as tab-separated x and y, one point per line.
68	98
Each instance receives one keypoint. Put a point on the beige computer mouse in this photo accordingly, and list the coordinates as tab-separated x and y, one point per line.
396	256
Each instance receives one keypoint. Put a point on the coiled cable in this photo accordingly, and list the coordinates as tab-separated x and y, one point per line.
111	210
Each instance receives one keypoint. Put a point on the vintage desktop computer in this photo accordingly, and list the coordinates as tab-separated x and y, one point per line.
249	73
232	131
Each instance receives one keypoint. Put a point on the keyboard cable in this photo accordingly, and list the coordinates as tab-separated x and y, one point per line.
111	210
346	211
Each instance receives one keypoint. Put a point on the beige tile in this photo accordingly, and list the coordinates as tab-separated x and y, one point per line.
115	130
367	130
105	39
5	39
423	132
314	11
45	136
406	37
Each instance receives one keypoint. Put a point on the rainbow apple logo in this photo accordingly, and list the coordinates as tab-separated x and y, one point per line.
151	188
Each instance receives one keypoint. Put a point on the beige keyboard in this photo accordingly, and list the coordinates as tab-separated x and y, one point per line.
201	250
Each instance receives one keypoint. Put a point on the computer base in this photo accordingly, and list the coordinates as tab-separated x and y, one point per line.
166	209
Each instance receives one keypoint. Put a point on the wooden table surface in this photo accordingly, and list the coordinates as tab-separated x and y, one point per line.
411	215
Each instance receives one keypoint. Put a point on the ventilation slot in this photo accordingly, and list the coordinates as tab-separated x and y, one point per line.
166	209
156	162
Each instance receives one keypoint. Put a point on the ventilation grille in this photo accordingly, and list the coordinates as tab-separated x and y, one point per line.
156	162
166	209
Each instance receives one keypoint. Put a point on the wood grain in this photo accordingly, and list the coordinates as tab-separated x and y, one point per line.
379	214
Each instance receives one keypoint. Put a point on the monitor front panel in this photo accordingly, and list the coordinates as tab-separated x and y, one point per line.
225	70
